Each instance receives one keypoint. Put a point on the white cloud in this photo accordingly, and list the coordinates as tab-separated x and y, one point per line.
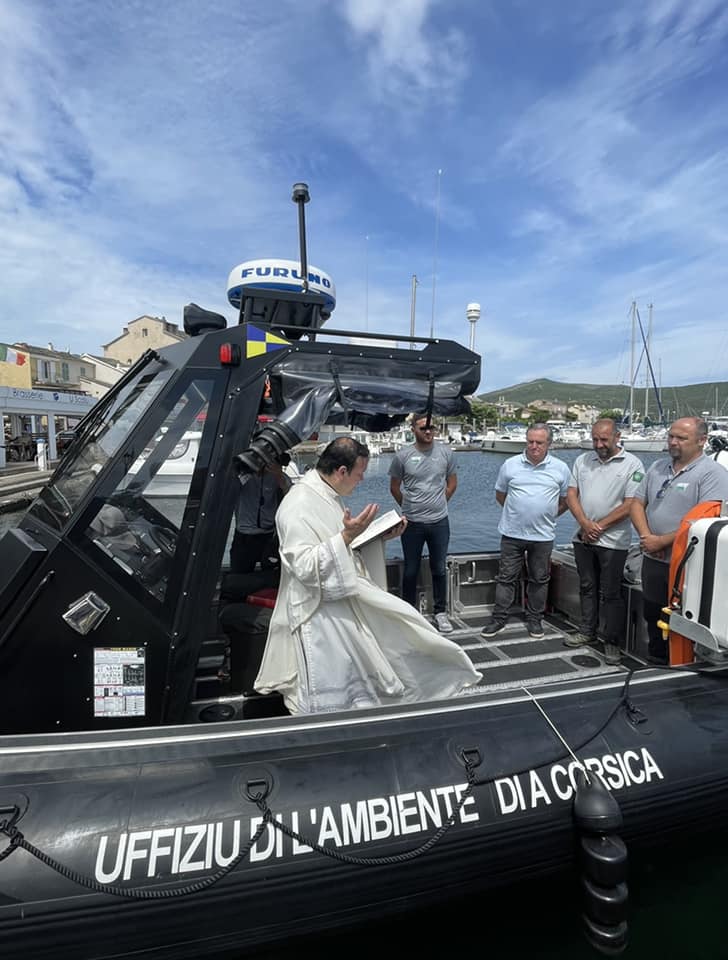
408	58
145	150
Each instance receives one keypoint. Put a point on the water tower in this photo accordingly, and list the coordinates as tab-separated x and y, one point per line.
472	312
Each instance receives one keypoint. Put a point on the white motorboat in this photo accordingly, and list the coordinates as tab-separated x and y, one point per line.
655	442
508	442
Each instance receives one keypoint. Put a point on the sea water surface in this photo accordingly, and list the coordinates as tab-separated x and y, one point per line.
473	511
677	894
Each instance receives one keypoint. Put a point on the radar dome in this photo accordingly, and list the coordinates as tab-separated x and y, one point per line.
278	275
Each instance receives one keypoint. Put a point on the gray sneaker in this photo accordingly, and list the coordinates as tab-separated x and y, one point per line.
535	630
579	640
491	627
612	654
442	623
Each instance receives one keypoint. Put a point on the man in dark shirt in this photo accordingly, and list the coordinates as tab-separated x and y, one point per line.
254	540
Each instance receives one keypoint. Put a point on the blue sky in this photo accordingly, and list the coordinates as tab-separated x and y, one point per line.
146	149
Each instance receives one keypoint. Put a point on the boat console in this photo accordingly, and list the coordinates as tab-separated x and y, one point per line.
138	513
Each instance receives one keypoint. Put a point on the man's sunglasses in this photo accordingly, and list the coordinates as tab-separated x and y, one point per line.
663	489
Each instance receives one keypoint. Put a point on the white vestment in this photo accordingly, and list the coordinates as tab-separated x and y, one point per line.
337	641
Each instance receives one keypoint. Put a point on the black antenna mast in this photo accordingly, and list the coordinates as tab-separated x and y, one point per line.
301	196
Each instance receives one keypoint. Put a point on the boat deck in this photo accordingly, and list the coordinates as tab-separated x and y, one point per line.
513	659
507	662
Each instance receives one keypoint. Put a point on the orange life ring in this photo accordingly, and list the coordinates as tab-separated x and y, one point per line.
681	649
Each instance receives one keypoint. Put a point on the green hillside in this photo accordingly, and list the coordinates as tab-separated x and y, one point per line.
688	400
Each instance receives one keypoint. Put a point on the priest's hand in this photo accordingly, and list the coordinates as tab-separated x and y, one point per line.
353	526
396	531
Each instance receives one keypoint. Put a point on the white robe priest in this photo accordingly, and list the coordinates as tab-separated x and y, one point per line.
337	641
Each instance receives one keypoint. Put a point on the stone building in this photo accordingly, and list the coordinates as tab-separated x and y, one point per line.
144	333
49	398
52	369
106	373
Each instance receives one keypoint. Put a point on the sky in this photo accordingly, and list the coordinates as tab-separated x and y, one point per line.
552	161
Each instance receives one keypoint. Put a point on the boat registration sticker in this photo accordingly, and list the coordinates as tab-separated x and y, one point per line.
119	682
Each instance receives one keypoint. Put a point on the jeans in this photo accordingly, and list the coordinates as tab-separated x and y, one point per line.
537	554
655	585
600	585
437	537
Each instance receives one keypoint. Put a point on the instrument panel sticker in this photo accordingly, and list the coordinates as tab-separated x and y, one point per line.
119	682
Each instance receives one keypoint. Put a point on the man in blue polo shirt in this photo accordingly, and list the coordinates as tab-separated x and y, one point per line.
669	489
531	487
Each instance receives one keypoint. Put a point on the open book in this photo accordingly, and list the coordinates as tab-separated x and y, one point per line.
380	525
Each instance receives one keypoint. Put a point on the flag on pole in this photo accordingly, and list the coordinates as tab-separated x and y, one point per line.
8	355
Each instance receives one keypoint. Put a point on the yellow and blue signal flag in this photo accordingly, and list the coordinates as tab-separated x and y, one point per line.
262	341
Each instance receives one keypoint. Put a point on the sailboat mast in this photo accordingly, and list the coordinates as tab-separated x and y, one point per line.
659	392
631	366
647	365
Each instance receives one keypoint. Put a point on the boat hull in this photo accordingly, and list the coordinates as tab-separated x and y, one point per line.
503	445
152	810
645	444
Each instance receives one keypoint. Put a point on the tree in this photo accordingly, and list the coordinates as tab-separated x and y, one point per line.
483	413
615	415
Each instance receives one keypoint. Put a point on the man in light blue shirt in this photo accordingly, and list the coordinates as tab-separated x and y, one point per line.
531	487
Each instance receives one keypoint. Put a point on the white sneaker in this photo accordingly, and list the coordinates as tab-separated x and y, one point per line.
442	623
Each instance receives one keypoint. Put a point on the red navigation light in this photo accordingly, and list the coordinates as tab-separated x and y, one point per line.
230	354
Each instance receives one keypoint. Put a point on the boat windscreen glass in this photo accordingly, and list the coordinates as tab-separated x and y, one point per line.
138	524
102	438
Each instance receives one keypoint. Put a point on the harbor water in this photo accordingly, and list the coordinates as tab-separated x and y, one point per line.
473	511
675	891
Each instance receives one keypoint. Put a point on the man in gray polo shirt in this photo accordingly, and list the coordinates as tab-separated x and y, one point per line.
668	490
601	488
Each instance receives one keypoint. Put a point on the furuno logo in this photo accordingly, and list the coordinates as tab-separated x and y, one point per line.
282	272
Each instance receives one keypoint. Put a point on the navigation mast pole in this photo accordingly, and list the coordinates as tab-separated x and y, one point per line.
434	258
366	284
413	301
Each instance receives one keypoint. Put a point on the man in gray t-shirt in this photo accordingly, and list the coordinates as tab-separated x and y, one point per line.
601	488
670	488
423	477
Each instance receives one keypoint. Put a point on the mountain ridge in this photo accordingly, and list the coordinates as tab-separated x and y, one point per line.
687	400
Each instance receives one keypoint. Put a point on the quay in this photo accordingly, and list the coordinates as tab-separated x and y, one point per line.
20	484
